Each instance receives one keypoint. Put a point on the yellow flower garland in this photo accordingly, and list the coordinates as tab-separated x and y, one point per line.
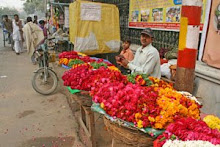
169	101
212	121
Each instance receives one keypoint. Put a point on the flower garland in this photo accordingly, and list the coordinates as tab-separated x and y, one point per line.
188	95
212	121
174	106
179	143
190	129
160	83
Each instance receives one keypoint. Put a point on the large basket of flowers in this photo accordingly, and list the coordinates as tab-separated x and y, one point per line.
129	136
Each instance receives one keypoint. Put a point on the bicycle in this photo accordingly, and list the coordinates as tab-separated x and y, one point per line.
7	36
46	77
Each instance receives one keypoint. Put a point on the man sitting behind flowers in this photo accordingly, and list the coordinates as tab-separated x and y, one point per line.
146	59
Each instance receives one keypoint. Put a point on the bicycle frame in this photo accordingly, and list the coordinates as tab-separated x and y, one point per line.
43	61
45	68
45	73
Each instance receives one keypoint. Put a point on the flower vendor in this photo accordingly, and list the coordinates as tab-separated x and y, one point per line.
146	59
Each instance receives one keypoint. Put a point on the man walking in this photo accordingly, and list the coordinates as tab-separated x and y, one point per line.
7	23
33	36
35	19
17	34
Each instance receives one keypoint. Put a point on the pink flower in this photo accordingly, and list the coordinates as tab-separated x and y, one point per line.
191	129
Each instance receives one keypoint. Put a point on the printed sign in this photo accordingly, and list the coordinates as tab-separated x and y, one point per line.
90	12
66	20
157	14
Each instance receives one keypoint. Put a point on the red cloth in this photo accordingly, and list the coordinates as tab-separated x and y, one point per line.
162	61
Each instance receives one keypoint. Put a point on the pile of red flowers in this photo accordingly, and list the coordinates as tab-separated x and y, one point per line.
82	77
85	58
69	55
144	101
76	78
132	103
190	129
102	76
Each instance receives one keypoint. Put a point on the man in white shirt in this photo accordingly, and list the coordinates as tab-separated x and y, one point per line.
17	34
146	59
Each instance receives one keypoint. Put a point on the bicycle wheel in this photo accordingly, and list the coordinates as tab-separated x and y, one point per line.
43	86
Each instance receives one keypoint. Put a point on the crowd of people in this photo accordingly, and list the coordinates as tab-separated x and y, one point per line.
32	32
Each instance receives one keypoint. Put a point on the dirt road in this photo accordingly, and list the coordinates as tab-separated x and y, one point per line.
28	119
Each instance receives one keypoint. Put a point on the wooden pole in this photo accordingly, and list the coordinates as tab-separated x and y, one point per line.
188	44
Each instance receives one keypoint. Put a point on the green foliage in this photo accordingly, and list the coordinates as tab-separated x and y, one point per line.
96	65
31	6
8	11
74	62
132	78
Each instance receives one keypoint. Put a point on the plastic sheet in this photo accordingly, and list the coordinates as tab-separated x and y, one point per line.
94	27
73	91
66	67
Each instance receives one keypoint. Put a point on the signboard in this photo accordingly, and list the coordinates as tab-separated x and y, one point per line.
158	14
91	12
66	20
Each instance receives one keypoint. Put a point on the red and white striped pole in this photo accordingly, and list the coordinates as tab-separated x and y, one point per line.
188	44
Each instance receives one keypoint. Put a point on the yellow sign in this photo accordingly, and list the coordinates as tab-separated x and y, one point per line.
160	14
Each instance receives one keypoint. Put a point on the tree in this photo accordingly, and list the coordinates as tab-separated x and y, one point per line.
7	11
31	6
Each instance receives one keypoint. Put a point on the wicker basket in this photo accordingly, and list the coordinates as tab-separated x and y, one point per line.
82	99
129	136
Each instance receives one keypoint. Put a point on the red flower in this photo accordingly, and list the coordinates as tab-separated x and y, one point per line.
191	129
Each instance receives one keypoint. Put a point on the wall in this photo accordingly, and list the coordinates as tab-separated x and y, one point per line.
207	88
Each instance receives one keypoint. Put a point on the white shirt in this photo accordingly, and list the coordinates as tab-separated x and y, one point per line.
16	32
146	61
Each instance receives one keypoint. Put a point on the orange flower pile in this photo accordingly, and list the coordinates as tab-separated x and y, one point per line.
64	61
174	106
160	83
114	68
